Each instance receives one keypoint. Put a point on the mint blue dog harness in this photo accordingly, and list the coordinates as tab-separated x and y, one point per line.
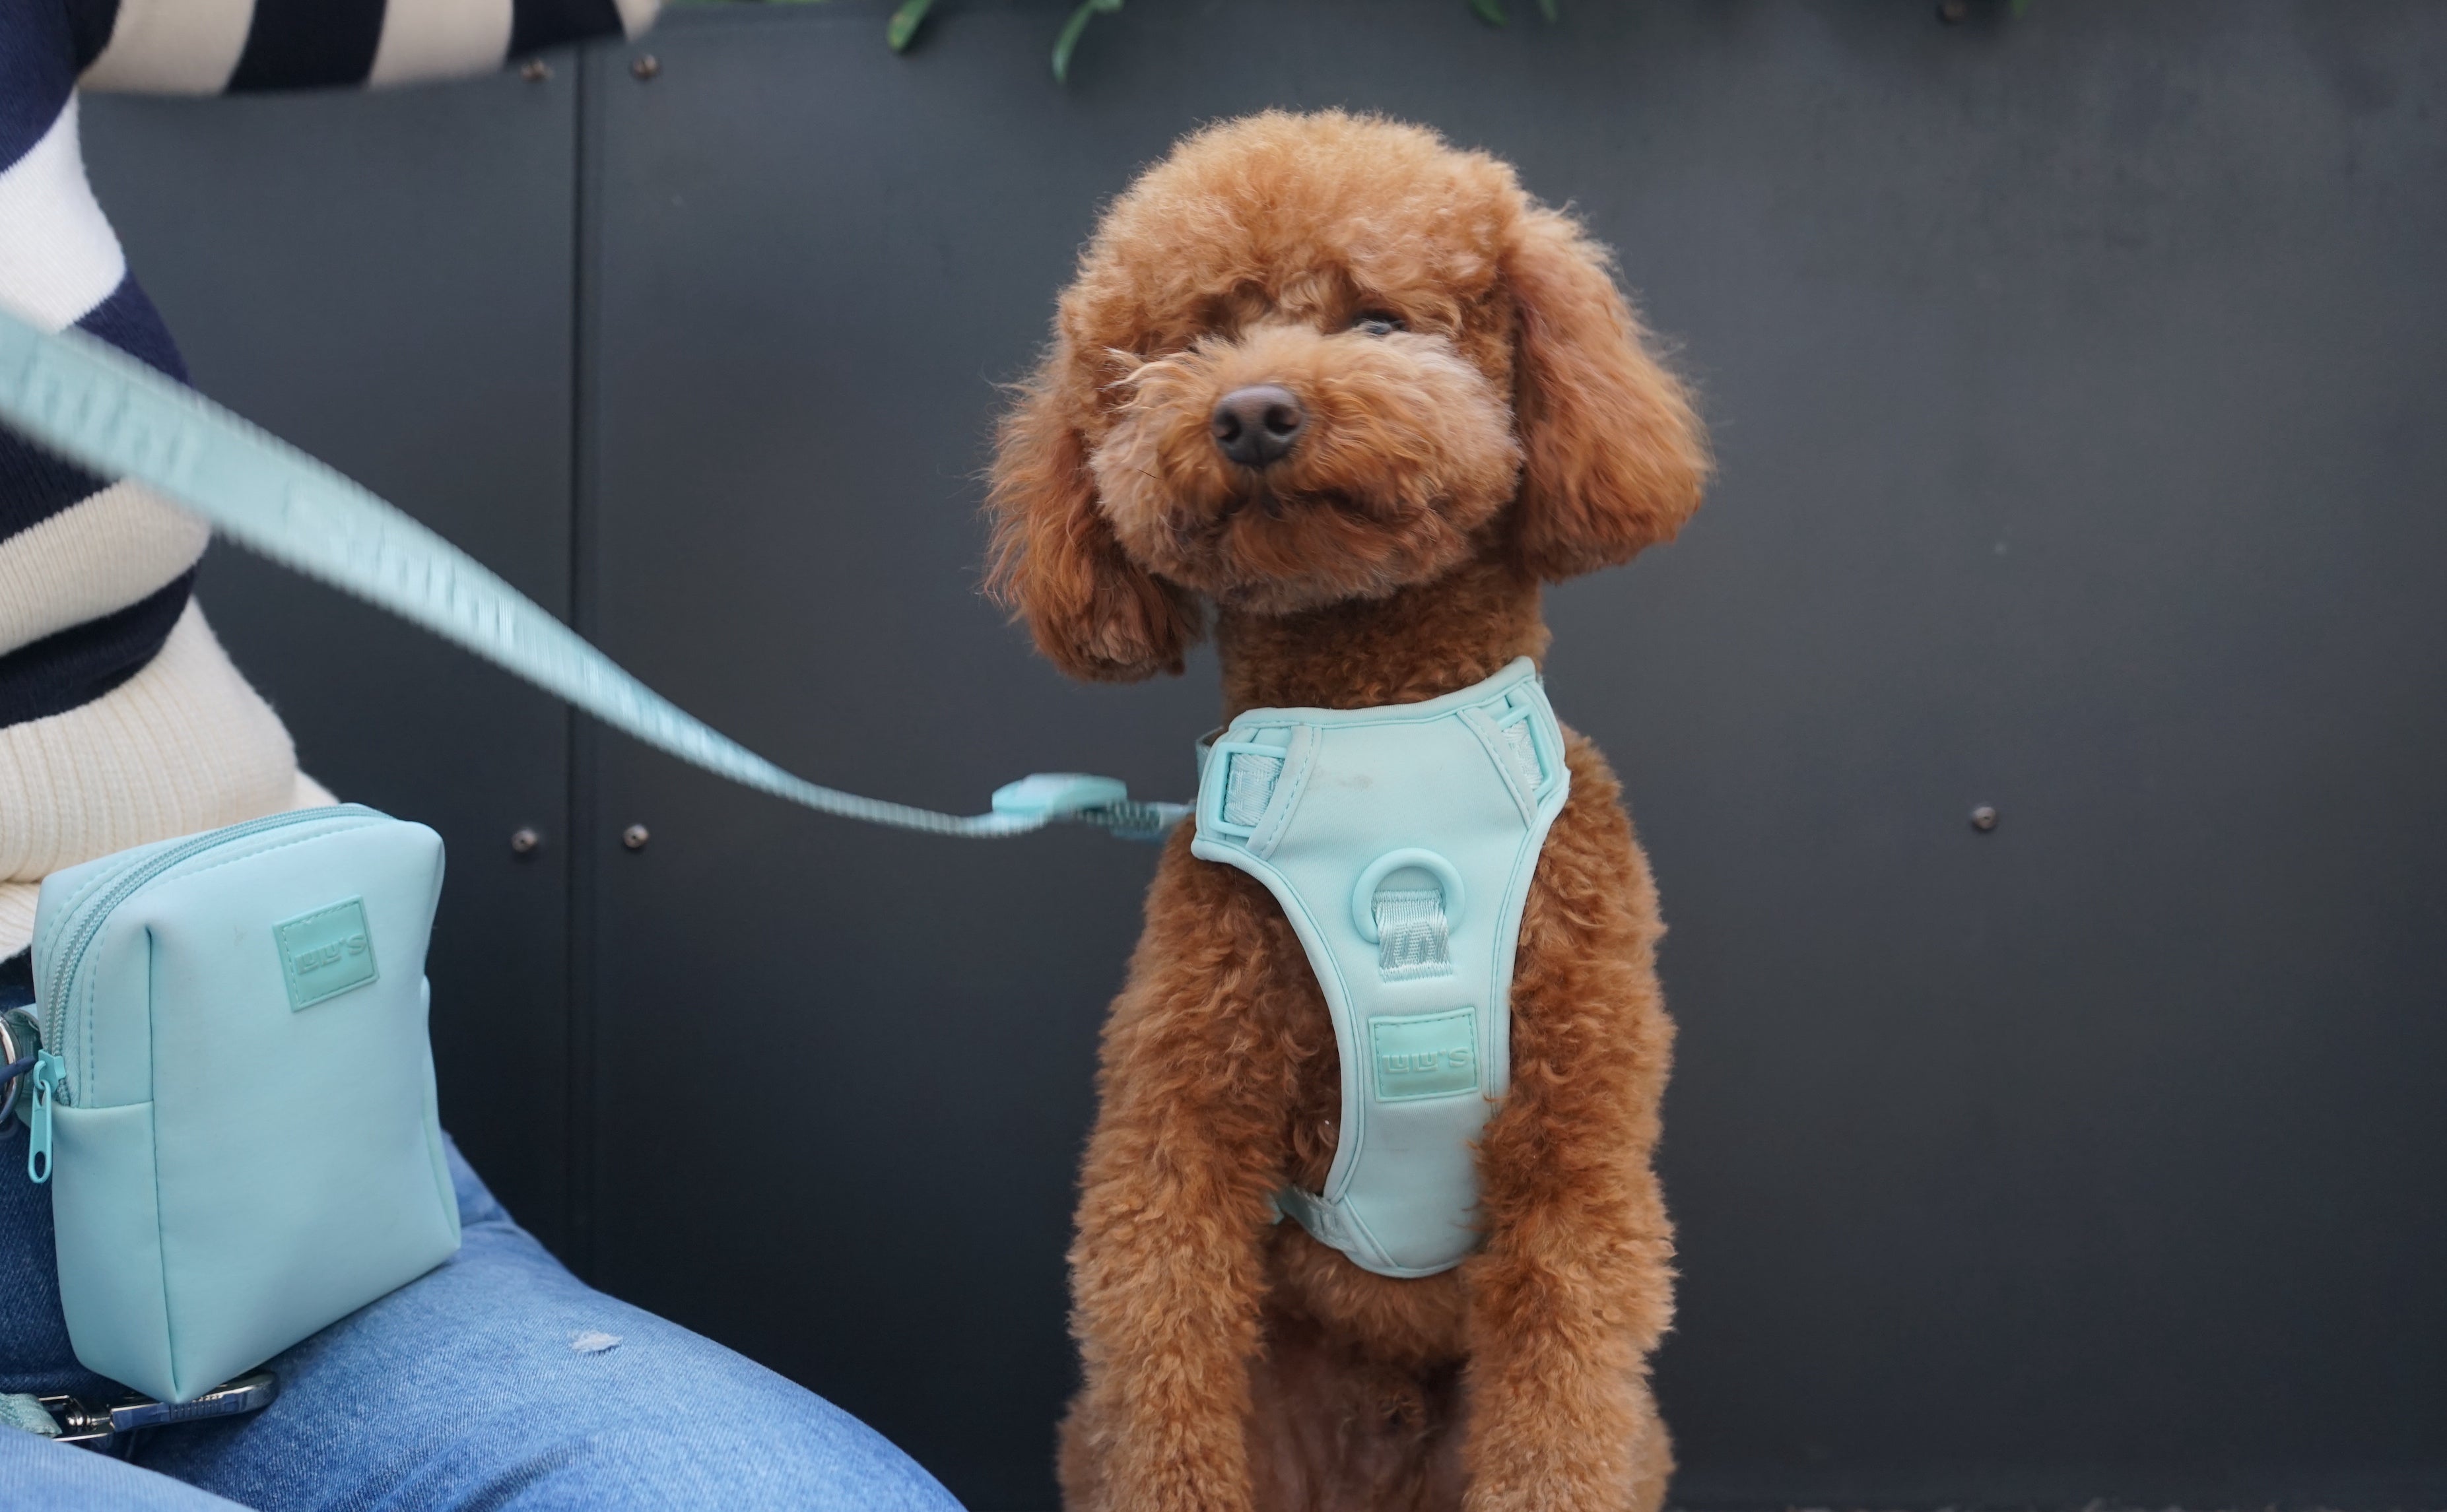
1399	841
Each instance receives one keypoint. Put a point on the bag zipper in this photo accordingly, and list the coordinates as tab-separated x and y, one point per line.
90	916
38	1149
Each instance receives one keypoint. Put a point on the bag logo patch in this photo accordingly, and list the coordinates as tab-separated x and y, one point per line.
325	953
1425	1054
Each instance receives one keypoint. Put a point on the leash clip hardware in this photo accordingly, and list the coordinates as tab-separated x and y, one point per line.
21	1037
1045	798
80	1424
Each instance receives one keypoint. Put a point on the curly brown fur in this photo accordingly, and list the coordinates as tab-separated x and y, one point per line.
1515	428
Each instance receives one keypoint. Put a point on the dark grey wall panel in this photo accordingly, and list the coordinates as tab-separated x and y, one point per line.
385	280
2076	379
843	1072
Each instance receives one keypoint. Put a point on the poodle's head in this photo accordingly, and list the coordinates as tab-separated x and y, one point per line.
1312	358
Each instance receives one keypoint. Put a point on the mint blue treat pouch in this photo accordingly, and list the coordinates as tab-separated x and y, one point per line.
235	1099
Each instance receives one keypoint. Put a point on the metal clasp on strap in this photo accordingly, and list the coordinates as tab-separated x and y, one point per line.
81	1423
21	1037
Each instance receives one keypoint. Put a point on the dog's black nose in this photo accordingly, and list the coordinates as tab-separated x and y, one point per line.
1257	426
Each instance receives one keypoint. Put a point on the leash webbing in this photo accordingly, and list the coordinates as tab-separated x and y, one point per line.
102	408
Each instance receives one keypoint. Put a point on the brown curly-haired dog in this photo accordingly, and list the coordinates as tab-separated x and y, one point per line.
1359	393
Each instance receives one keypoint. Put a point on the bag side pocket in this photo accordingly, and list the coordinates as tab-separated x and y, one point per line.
108	1223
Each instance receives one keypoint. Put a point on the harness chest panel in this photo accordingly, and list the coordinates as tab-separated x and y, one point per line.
1400	841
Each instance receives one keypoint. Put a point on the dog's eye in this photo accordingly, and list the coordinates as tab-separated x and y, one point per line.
1376	323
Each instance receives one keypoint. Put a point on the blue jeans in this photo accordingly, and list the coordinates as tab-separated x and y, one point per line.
488	1383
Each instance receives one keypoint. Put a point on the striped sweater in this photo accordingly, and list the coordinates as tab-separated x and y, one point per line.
121	719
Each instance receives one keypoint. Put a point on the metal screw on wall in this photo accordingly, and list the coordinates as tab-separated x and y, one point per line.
525	840
1984	819
535	70
645	65
634	837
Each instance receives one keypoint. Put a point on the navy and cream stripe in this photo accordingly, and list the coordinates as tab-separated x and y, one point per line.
209	47
120	720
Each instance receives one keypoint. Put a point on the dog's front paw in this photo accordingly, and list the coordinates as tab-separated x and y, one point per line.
1187	1485
1547	1495
1528	1486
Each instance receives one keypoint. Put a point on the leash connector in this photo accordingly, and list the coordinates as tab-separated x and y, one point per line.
81	1423
1047	798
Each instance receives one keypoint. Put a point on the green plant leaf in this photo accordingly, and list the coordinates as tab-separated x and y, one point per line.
1069	40
1546	8
903	28
1490	11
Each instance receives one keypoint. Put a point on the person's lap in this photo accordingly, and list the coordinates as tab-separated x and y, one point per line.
499	1381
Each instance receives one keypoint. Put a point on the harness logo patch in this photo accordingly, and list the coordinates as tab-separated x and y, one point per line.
1425	1054
325	953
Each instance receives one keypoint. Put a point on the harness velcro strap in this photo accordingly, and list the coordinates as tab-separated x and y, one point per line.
1248	784
1523	748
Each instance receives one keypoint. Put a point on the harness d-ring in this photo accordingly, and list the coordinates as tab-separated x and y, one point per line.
1364	896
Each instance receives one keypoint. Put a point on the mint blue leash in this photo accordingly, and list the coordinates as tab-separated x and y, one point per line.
100	407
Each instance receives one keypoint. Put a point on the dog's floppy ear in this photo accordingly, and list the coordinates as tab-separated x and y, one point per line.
1615	457
1055	562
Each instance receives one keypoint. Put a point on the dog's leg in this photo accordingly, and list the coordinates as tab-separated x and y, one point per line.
1574	1286
1167	1270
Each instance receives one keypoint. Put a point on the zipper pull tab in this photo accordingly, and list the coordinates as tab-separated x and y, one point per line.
50	1070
